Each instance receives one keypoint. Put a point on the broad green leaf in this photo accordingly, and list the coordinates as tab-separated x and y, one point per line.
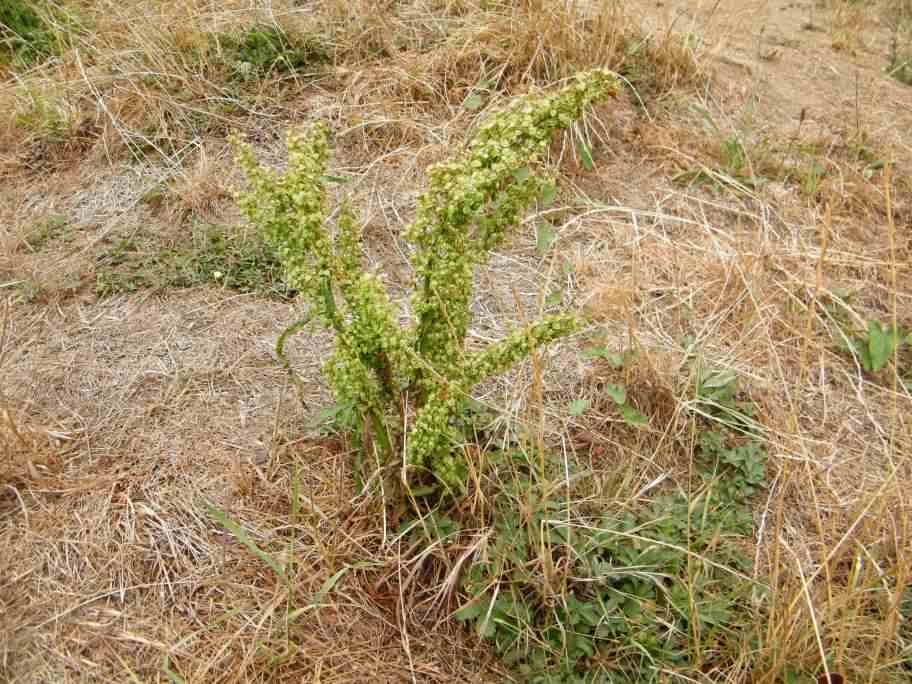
585	155
631	416
549	192
864	355
545	236
473	102
719	379
792	676
472	610
594	352
614	359
242	536
329	413
486	629
521	174
554	298
577	407
616	392
881	345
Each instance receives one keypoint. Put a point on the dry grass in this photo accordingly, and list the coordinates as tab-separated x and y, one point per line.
122	420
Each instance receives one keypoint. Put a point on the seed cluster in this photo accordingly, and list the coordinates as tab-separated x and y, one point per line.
467	209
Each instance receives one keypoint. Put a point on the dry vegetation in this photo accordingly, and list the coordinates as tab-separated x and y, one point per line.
745	207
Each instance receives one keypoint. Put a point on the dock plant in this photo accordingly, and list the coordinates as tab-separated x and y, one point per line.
402	386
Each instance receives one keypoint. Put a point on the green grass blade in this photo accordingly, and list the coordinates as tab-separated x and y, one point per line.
242	536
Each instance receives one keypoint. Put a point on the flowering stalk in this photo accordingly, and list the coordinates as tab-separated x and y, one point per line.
470	204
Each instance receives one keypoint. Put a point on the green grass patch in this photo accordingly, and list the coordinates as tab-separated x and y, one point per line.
25	35
899	60
213	256
628	589
567	593
45	232
900	67
33	31
260	51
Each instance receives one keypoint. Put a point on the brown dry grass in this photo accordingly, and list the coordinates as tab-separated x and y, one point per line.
123	419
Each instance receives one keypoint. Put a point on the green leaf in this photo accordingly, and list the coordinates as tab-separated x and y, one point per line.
585	155
521	174
545	236
614	359
549	192
172	676
338	180
554	298
881	344
242	536
328	585
594	352
331	414
631	416
577	407
473	102
793	676
486	629
616	392
472	610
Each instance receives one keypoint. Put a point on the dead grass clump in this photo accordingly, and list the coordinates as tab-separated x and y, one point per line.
151	79
118	567
199	191
461	60
27	453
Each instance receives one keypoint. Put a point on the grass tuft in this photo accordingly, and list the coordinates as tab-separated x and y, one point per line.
26	35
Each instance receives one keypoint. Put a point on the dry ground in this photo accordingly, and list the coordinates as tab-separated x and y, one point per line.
126	414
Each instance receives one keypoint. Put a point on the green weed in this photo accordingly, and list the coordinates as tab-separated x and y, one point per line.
716	400
261	50
876	346
44	113
734	173
900	66
567	597
31	291
899	59
378	367
44	232
214	257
